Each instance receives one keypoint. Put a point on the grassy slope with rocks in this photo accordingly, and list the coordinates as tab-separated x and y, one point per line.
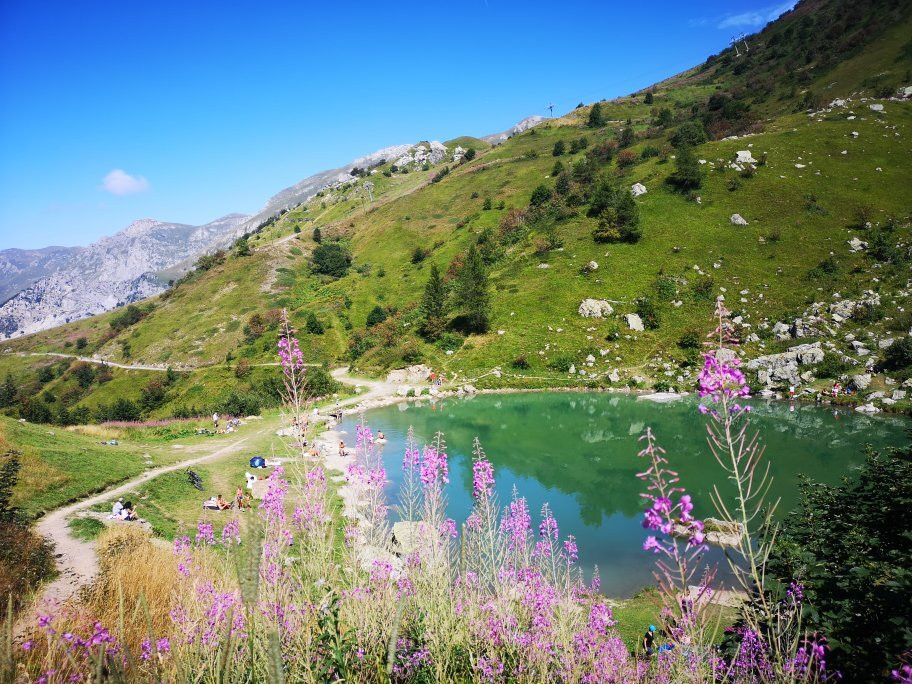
793	252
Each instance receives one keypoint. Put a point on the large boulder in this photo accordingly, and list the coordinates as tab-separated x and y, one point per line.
861	381
637	189
411	375
595	308
738	220
634	322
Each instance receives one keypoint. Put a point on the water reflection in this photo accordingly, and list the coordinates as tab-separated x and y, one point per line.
578	453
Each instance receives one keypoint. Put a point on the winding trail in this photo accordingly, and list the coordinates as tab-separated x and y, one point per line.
76	559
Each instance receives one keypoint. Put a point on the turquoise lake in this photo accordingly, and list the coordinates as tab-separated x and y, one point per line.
578	453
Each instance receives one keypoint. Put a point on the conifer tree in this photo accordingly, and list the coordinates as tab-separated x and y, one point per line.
472	287
433	305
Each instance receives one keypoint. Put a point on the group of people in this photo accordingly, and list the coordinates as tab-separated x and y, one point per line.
241	501
231	425
123	511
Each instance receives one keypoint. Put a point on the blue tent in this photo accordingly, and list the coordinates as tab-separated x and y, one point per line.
257	462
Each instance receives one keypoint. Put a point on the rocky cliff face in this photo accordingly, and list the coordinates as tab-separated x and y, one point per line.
112	272
19	268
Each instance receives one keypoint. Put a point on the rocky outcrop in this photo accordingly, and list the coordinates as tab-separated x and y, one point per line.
782	369
411	375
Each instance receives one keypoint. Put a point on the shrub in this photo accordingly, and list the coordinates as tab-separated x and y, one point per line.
332	260
242	369
558	148
601	153
561	363
469	154
828	268
486	205
129	316
689	134
557	169
850	545
690	340
209	261
648	313
520	362
377	315
419	254
687	174
898	356
664	118
832	366
650	151
648	99
540	195
84	374
313	325
625	137
626	158
319	382
317	236
440	175
81	343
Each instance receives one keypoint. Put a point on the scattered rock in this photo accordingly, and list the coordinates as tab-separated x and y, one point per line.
412	374
856	245
738	220
782	369
595	308
638	189
745	157
876	107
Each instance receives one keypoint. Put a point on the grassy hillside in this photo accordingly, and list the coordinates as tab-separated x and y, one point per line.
824	175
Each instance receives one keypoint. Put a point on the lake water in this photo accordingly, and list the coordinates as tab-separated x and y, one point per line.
577	452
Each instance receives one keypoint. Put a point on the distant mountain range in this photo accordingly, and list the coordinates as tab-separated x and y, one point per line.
43	288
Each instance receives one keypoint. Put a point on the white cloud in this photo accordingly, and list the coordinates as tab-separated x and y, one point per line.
756	18
119	182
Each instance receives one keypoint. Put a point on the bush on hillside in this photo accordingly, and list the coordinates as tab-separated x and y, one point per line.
648	312
559	148
332	259
469	154
561	363
313	325
898	356
689	134
540	195
687	174
377	315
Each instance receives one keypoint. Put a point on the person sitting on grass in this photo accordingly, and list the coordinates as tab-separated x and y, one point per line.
221	503
129	512
649	640
117	508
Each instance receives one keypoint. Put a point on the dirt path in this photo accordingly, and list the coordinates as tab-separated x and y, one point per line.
76	560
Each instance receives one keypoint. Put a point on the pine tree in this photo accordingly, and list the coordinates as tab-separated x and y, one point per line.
472	287
433	305
595	116
317	236
8	390
687	175
648	99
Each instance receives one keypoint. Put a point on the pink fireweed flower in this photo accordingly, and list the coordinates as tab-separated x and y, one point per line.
721	378
204	534
548	527
571	550
290	353
482	479
448	528
231	533
434	467
518	523
411	459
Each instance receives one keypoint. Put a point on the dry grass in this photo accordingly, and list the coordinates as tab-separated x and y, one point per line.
99	431
133	591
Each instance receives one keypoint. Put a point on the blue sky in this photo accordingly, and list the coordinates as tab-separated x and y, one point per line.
185	111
